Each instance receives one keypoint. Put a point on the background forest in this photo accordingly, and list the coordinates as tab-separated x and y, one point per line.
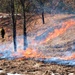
34	6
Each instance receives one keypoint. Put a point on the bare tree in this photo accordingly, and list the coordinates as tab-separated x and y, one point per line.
40	3
14	24
24	25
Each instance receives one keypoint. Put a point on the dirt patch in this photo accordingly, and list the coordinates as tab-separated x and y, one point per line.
31	67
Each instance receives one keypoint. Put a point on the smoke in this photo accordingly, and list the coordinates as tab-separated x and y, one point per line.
59	61
7	48
45	34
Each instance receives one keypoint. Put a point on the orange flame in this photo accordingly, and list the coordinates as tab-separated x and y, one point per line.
30	53
69	57
60	31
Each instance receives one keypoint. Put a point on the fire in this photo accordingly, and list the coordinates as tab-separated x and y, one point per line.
29	53
60	31
69	57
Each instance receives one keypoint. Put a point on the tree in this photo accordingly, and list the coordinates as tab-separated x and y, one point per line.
17	6
14	23
5	6
40	4
69	5
42	9
24	25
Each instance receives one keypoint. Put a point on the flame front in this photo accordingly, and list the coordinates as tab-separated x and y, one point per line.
60	31
31	53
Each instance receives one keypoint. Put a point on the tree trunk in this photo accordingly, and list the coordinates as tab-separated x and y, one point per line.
24	24
43	17
24	30
42	5
14	24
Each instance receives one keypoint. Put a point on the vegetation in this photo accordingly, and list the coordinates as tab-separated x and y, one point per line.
24	23
31	7
14	23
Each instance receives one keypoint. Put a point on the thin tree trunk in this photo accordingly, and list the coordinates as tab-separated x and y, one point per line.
43	17
14	24
24	30
24	25
42	5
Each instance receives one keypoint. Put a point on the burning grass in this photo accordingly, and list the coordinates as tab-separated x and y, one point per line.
52	42
60	31
30	53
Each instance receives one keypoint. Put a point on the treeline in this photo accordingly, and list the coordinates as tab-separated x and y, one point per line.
36	6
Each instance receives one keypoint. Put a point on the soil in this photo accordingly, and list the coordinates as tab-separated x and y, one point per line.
32	67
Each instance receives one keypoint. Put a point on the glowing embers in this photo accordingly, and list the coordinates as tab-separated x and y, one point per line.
29	53
60	31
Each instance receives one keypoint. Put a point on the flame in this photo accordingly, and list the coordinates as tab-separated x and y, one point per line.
69	57
29	53
60	31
